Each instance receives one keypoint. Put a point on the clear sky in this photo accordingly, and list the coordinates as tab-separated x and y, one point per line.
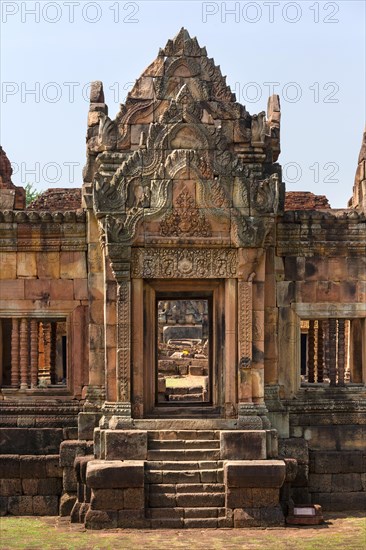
311	53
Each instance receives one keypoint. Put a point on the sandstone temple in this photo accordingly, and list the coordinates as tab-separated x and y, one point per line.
182	342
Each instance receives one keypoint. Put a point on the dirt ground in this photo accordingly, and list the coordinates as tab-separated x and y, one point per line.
339	532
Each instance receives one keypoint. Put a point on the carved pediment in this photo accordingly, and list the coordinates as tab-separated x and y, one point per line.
183	163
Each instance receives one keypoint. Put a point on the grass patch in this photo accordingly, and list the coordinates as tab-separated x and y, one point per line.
23	533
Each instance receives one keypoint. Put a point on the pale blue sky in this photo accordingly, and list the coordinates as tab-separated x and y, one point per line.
314	50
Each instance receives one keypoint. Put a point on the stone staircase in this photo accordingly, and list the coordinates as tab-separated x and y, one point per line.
184	479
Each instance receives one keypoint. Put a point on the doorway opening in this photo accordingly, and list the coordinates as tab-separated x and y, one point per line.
183	351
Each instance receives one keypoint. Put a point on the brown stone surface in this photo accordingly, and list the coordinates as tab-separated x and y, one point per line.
57	200
115	474
305	200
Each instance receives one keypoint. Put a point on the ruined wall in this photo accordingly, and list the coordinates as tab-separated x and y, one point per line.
321	275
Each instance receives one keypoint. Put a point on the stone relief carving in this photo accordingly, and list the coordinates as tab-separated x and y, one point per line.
183	263
185	220
124	340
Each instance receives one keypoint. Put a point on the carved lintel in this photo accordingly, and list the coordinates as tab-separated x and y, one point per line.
184	263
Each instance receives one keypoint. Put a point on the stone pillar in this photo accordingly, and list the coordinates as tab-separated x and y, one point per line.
326	347
53	337
258	334
245	306
333	351
15	353
45	347
124	345
341	351
34	353
230	347
137	348
23	354
320	353
311	352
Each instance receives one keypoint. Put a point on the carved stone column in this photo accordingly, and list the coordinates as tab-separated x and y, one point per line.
320	353
311	352
326	347
23	354
124	347
34	353
245	306
53	337
15	353
341	351
45	346
333	351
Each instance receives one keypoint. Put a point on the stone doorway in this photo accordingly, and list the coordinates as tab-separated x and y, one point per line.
183	349
183	346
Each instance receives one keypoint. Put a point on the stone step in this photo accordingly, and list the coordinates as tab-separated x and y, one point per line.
183	465
200	420
190	523
169	488
186	500
184	434
184	476
166	444
184	454
185	513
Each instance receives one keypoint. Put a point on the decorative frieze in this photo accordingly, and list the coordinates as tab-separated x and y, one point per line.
183	263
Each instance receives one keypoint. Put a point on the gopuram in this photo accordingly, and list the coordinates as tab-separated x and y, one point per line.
182	343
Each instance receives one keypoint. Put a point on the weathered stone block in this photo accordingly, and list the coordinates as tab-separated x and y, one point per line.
45	505
320	483
101	519
53	468
50	486
30	441
10	466
336	462
67	502
21	506
69	481
346	483
294	448
73	265
272	516
135	519
107	499
237	497
248	517
255	473
243	445
8	262
70	449
125	444
134	499
30	486
10	487
86	424
115	474
26	264
61	289
265	497
33	466
347	501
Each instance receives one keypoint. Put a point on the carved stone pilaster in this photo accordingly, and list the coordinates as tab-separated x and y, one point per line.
34	353
15	353
124	342
245	309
